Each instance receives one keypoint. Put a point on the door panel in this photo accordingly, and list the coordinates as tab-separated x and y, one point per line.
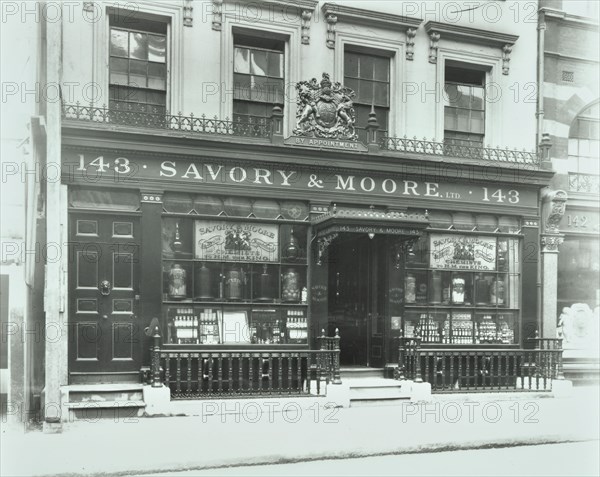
104	282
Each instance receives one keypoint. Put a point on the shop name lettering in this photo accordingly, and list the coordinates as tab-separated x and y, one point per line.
122	169
283	178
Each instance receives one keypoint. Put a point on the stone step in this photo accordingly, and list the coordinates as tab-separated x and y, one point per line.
375	390
99	393
361	372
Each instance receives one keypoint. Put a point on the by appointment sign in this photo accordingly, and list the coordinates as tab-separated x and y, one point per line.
86	168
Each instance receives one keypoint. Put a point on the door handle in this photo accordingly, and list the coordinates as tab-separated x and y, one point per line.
104	287
105	317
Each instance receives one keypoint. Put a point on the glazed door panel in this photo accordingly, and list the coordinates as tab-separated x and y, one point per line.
103	277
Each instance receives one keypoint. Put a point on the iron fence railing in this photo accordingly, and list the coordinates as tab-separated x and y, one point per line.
145	116
199	374
482	370
458	150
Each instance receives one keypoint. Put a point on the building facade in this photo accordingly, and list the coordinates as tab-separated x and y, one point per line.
240	181
570	115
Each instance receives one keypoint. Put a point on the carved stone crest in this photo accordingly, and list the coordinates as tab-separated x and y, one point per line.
325	110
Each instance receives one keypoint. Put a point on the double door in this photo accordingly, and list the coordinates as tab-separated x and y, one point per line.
357	280
104	272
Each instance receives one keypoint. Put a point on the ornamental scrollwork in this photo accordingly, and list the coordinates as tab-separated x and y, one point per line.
325	109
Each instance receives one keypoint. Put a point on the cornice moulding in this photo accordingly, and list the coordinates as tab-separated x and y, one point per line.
471	35
577	21
299	4
369	17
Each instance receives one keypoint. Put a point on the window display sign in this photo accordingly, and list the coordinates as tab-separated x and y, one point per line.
450	251
236	241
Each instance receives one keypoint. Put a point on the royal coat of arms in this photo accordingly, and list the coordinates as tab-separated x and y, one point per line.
325	110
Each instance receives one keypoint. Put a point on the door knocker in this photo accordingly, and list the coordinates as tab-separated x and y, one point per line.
105	287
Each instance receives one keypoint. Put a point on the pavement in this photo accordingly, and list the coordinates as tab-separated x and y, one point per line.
256	433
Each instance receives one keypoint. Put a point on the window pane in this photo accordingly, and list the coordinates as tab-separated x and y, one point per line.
138	46
365	91
157	98
352	84
382	119
450	121
382	94
275	64
452	94
464	96
382	69
157	50
258	62
477	99
137	73
350	65
573	149
118	43
241	63
477	122
241	86
118	70
462	117
157	73
366	66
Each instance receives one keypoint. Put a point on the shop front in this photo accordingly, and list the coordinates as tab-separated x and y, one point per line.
247	271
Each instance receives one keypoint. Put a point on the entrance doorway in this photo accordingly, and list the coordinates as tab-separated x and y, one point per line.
104	342
357	272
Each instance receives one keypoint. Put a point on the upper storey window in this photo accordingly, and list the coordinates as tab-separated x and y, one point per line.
464	111
369	76
584	150
138	65
258	77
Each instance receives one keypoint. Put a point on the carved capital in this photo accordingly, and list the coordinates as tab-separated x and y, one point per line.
217	19
306	16
551	242
331	22
434	38
410	43
558	203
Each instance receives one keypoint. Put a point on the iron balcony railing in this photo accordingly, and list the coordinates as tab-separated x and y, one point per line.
144	116
458	149
153	117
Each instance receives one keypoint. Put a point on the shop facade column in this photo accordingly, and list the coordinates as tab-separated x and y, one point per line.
553	207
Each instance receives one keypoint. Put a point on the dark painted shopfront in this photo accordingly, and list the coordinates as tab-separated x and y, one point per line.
226	246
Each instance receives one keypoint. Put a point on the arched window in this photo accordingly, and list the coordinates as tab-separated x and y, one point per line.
584	151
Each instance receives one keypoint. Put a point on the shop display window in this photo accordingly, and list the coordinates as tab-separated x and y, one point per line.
463	289
234	282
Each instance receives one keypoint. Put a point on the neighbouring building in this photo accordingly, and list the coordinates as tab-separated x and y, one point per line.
570	114
250	193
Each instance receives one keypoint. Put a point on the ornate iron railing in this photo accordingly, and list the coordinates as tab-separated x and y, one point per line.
589	183
459	150
487	370
144	116
199	374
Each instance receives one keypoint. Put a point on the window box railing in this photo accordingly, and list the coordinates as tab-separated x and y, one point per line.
146	116
588	183
458	149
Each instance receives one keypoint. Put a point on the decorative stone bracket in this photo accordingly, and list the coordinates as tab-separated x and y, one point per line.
558	204
306	16
331	22
188	10
217	20
503	41
410	43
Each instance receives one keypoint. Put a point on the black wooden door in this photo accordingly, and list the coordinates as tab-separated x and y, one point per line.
103	294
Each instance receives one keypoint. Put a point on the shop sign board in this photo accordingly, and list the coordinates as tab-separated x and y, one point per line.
236	241
109	168
452	251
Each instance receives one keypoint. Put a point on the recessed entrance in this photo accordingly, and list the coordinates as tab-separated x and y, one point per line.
357	271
